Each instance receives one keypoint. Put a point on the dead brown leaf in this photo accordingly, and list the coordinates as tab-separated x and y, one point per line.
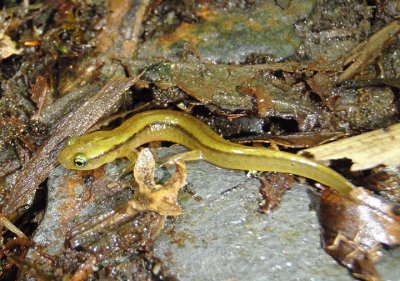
39	93
7	46
273	187
264	103
355	227
322	84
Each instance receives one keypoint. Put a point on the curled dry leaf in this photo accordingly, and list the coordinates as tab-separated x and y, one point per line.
355	227
162	199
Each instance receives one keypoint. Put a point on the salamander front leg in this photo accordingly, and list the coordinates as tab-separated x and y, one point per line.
132	157
191	155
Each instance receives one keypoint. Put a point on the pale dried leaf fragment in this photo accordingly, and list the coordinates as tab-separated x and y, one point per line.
368	150
162	199
8	47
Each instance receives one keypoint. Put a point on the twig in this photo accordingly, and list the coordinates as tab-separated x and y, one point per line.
366	52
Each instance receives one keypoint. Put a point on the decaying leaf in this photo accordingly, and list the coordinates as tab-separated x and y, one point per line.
322	84
30	268
355	227
39	93
234	87
12	130
366	108
264	103
385	181
273	187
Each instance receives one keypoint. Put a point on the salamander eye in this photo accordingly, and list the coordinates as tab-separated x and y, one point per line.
80	160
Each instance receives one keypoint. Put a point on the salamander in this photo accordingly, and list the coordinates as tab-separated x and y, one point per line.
95	149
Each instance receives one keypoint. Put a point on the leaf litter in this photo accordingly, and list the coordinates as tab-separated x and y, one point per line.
309	77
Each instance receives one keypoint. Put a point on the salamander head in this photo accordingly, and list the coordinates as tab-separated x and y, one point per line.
88	152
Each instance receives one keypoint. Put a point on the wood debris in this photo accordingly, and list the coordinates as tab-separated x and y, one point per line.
368	150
